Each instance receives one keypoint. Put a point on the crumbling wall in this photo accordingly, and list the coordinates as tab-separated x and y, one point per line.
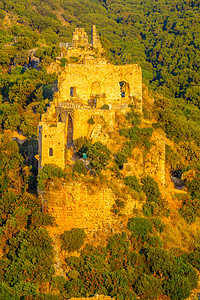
83	76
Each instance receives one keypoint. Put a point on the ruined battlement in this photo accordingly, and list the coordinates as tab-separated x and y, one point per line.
83	90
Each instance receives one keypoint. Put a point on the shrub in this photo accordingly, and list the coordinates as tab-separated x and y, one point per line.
194	258
121	158
158	224
73	239
190	208
82	145
161	262
73	261
118	244
79	167
105	106
133	117
63	61
48	172
150	188
148	287
91	121
133	183
99	155
119	204
140	227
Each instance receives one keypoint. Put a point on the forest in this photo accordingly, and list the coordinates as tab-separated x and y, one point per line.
163	37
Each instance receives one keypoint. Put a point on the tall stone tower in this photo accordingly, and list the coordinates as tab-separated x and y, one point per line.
95	40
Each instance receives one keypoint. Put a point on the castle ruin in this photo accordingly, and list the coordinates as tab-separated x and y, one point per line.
92	87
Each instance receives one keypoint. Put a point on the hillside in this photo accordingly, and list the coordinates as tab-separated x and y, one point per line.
146	243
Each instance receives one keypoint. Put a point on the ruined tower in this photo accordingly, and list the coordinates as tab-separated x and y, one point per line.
95	40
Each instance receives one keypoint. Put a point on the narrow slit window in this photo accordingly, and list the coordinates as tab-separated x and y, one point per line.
50	151
73	91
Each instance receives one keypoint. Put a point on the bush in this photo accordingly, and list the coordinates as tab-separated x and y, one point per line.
63	61
121	158
140	227
79	167
116	208
150	188
73	239
134	117
194	258
158	224
118	244
148	287
48	172
99	155
133	183
161	262
105	106
91	121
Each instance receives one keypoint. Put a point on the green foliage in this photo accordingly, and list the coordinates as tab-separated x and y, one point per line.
161	262
138	137
140	227
98	154
194	258
148	287
10	163
91	121
154	205
158	224
10	116
172	158
48	172
133	117
30	257
6	293
82	145
190	208
133	183
105	106
63	61
79	167
116	208
73	239
150	188
121	158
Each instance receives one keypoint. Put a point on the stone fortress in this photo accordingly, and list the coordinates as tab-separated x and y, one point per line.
88	84
83	90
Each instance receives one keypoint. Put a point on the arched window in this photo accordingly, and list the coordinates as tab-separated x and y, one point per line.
124	89
50	151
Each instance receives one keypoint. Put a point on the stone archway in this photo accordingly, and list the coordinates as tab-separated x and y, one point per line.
124	89
69	131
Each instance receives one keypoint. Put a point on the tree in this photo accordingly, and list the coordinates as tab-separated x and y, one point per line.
73	239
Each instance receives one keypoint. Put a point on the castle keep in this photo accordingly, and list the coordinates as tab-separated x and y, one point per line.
91	88
92	97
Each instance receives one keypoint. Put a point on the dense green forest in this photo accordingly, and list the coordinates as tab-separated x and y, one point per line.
163	37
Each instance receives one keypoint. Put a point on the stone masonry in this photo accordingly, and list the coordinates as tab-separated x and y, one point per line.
83	89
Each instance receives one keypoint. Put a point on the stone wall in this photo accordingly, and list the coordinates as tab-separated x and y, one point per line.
77	205
100	79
